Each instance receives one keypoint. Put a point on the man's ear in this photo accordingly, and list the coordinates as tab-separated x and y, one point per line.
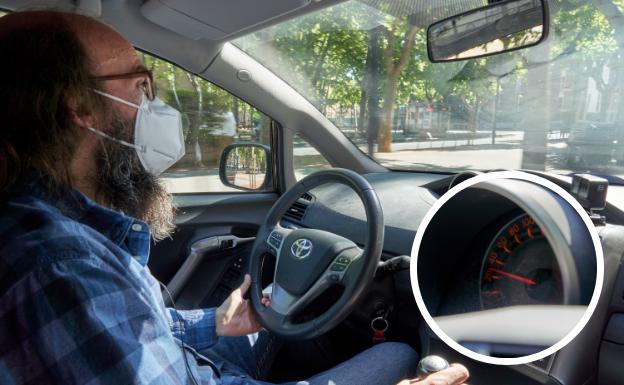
80	116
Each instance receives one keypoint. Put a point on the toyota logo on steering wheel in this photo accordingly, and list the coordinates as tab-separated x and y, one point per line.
301	248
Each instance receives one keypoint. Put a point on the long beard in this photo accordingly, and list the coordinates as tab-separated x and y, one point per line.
125	185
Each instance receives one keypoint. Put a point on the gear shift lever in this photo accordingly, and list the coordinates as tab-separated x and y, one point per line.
429	365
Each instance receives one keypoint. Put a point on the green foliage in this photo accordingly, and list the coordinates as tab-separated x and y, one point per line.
326	58
584	29
323	55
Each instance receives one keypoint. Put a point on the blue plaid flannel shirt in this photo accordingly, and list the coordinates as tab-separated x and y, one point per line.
78	304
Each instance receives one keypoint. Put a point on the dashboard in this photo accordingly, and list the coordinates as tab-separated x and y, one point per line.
405	200
487	258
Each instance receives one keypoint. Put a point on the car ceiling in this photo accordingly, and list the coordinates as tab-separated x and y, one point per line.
132	19
191	33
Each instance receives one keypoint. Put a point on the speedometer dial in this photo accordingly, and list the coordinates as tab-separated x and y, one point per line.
520	268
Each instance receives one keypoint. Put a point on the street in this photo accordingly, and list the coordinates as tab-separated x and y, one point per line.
422	155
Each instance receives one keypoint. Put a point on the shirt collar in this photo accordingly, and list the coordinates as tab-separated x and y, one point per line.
129	233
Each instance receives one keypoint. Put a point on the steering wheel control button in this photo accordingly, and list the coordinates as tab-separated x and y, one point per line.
430	365
340	264
275	240
338	267
343	260
528	263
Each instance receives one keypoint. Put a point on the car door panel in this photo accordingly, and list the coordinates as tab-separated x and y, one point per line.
205	258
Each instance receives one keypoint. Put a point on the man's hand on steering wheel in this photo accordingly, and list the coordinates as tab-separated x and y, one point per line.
235	317
456	374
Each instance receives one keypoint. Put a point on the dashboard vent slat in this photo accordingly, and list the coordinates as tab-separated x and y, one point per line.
296	211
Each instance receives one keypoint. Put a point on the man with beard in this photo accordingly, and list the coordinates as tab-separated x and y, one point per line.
82	142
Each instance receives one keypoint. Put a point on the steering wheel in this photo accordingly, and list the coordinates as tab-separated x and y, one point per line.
310	261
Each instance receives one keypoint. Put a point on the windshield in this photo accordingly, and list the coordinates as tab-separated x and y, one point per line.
557	106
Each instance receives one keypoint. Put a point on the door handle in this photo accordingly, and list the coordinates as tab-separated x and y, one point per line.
199	250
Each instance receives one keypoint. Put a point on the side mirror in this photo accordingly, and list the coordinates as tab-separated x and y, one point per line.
246	166
498	27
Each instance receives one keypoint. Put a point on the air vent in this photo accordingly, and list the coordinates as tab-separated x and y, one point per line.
296	211
306	196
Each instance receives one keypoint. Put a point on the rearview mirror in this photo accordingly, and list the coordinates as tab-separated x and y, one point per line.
499	27
246	166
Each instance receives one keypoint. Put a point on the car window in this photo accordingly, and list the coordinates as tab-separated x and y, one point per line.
306	158
212	119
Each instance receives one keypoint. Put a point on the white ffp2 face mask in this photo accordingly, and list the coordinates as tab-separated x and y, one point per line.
158	135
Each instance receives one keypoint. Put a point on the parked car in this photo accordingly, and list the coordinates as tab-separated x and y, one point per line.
594	145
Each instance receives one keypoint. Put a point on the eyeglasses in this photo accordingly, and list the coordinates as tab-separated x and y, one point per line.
147	86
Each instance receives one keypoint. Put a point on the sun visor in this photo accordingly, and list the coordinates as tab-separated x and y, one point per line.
216	19
91	8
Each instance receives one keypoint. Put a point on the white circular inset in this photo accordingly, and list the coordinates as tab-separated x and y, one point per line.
506	175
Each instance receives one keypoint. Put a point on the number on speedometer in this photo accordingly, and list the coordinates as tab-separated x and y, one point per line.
520	268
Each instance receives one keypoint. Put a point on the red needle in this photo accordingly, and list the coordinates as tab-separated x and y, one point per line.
514	276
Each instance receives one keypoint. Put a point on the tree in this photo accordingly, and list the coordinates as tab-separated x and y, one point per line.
371	88
372	58
394	69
